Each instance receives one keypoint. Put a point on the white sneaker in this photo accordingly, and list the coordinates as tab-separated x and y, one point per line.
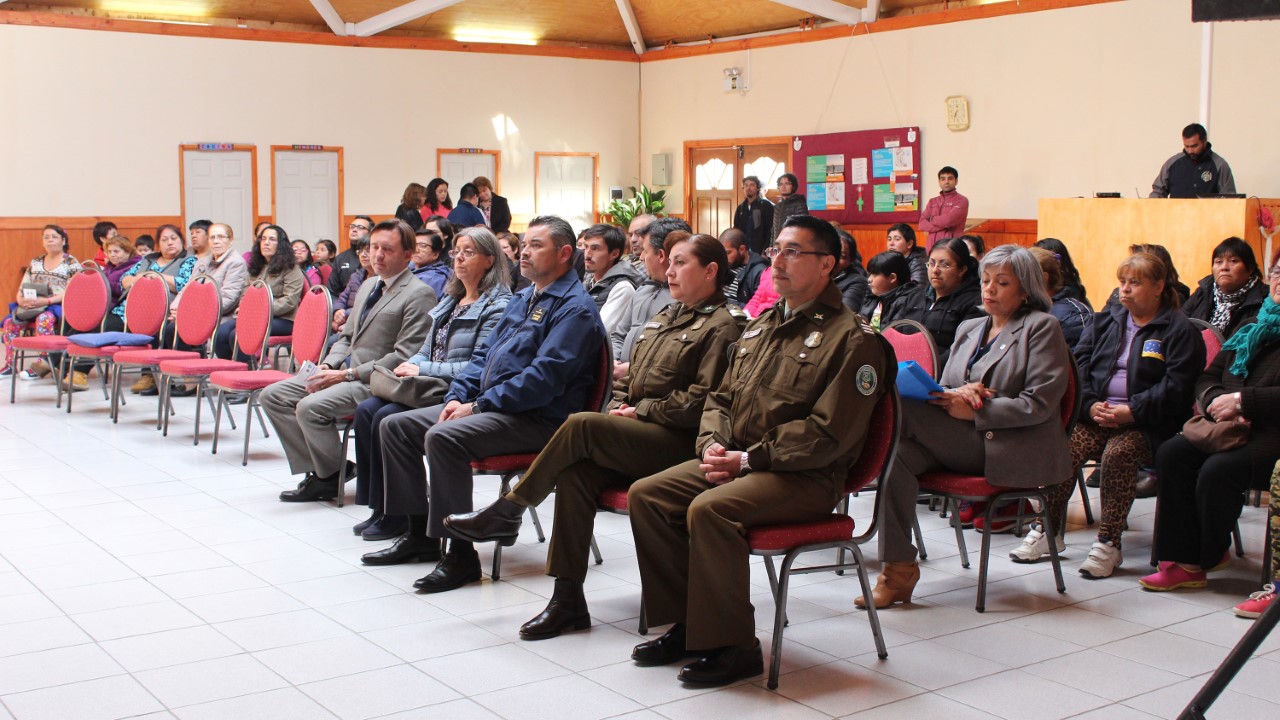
1103	559
1035	547
27	375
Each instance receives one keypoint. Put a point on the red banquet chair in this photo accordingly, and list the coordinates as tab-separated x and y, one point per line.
511	467
790	540
954	487
197	320
310	332
84	307
144	315
918	345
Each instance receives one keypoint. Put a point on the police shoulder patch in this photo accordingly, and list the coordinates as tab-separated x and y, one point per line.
867	380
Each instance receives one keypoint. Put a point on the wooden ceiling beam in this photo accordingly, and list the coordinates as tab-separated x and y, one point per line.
400	15
632	25
331	17
829	9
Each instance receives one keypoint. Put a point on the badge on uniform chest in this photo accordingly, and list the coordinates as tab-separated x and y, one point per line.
814	340
538	314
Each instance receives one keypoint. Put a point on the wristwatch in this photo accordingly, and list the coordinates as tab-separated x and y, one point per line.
745	466
351	374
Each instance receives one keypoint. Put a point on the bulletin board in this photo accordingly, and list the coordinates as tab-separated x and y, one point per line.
861	177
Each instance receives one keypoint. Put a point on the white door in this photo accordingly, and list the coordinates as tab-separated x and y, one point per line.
566	186
458	169
218	186
307	195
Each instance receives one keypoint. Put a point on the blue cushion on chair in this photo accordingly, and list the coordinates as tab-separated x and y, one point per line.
97	340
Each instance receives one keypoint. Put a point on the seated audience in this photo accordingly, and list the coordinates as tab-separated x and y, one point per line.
1074	316
475	297
226	267
410	208
510	244
766	292
611	281
890	289
1071	283
775	444
437	202
1137	384
465	214
274	264
746	265
1180	289
120	259
953	294
430	263
323	257
144	245
538	366
175	265
651	425
38	304
1006	378
446	230
102	231
1202	489
1232	294
850	277
902	240
977	246
652	296
343	302
302	256
389	321
346	263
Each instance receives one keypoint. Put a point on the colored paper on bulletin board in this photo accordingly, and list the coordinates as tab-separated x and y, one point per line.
816	197
835	195
882	163
857	171
905	197
902	159
883	199
824	169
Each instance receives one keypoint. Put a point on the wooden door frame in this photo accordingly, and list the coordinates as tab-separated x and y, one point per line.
690	145
342	182
497	162
236	147
595	184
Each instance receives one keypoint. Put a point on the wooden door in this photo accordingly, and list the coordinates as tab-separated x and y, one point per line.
460	168
715	189
766	162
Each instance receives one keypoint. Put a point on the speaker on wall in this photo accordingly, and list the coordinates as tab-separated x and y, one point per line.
1214	10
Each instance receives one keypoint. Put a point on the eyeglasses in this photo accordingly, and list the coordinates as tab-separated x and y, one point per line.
790	253
357	226
467	253
422	245
939	264
1274	273
219	236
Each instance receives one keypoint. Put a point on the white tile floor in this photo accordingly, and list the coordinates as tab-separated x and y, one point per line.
144	577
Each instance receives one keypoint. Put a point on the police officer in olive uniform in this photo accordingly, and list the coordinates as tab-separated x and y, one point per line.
776	442
651	425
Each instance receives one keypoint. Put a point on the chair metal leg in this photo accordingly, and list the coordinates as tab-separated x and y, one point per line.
843	509
872	618
248	425
915	527
497	562
955	523
984	557
261	421
217	420
13	376
57	379
1051	529
643	627
779	613
115	395
342	470
595	551
1235	535
70	391
1084	495
537	524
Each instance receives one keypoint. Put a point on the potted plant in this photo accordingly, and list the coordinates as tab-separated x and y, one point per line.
643	201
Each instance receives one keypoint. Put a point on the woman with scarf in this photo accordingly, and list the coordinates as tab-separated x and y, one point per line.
1230	296
1201	493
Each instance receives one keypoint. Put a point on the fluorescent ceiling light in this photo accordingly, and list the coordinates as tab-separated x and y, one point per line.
493	35
191	8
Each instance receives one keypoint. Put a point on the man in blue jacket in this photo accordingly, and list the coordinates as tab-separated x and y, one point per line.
536	368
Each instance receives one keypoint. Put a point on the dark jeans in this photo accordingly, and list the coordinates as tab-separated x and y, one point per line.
368	422
225	340
1199	502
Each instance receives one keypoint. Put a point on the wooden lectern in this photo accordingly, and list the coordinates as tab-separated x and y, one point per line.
1099	231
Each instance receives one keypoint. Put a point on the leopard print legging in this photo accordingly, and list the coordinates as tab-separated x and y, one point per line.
1123	452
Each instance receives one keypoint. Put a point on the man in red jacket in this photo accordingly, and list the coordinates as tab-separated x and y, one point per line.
944	216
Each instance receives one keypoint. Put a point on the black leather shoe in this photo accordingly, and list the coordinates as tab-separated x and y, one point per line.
182	391
407	549
455	570
724	666
664	650
364	524
566	611
1148	486
387	527
311	488
500	522
351	474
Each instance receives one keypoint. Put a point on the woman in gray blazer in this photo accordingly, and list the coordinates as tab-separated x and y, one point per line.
475	297
1005	381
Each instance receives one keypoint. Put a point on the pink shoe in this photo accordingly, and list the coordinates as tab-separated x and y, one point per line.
1257	602
1226	560
1171	577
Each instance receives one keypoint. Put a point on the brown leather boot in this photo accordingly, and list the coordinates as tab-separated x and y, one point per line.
894	585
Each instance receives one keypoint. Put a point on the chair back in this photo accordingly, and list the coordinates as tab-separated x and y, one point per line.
915	344
1213	339
880	445
147	308
87	300
599	395
253	321
311	324
1072	398
199	310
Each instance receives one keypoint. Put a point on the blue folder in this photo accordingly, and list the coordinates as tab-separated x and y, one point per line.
914	383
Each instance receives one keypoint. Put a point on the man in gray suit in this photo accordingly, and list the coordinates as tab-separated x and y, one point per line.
388	323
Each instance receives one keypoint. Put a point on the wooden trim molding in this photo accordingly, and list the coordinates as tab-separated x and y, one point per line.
497	162
595	172
342	180
696	144
253	161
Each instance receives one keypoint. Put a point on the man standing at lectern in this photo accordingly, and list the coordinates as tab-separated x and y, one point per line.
1195	171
